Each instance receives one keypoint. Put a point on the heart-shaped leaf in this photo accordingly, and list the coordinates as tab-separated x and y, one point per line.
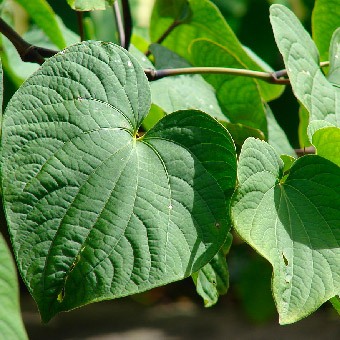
95	211
293	222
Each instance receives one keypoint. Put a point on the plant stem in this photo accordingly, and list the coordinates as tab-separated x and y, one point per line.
269	77
80	25
119	23
27	51
127	23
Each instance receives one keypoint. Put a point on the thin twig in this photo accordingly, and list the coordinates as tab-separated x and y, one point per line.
119	23
27	51
127	23
165	34
80	25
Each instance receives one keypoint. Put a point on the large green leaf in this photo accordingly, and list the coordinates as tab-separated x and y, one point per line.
184	91
239	97
89	5
301	58
11	325
325	21
96	212
202	19
292	221
42	14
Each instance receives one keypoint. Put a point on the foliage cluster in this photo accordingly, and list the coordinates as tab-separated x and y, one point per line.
124	169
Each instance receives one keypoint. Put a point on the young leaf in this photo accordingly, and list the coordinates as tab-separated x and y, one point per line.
11	323
43	15
202	19
213	279
335	301
239	97
325	20
327	143
301	58
94	211
89	5
294	224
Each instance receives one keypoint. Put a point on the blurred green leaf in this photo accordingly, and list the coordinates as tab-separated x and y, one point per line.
325	20
89	5
239	97
335	301
43	15
327	143
11	323
203	20
303	125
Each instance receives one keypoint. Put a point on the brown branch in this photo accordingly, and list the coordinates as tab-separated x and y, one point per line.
165	34
119	23
127	22
27	51
80	25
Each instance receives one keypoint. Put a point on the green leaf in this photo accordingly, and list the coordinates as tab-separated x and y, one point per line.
94	211
325	20
89	5
213	279
239	97
181	92
12	326
334	57
327	143
240	133
335	301
276	136
295	225
303	126
301	58
202	20
43	15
